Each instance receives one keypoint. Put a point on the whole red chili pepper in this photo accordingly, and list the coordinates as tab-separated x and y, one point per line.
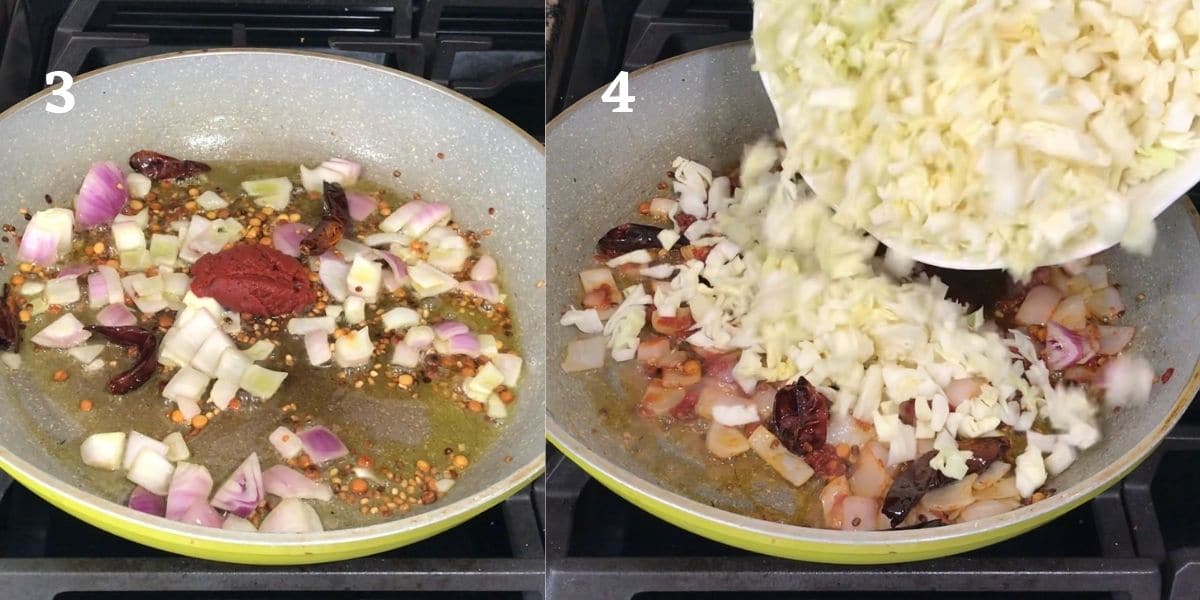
333	226
145	363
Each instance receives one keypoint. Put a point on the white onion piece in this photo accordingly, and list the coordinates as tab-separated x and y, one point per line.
961	390
86	353
112	284
791	467
584	355
859	513
353	349
316	344
62	291
482	289
420	337
115	315
400	318
404	355
208	356
268	187
1115	339
983	509
260	382
289	483
401	216
314	179
1071	313
189	484
241	493
47	236
349	171
177	449
223	392
1126	380
128	236
1105	304
260	350
332	272
428	280
725	442
236	523
103	450
484	269
364	278
232	365
354	310
136	442
211	200
286	442
1039	304
510	366
152	471
102	195
187	386
137	185
291	515
307	325
430	215
65	332
953	496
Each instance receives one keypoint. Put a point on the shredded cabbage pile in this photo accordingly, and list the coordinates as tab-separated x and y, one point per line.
800	294
994	130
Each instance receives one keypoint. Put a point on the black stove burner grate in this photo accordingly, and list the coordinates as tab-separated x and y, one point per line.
491	50
46	554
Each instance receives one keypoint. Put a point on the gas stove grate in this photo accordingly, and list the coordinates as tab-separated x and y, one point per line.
46	554
492	50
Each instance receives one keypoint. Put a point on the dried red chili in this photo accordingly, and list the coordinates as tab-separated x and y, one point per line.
144	364
334	224
160	166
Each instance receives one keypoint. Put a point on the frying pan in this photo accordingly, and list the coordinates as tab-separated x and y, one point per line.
705	106
286	107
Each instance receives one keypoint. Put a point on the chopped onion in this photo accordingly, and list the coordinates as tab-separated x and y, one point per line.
1038	305
211	200
286	442
961	390
662	208
485	269
73	271
289	483
177	449
420	337
354	310
143	500
405	356
859	513
291	515
260	350
186	387
260	382
399	318
136	442
241	493
584	355
428	280
164	249
1063	347
361	205
725	442
313	179
1115	339
47	236
103	450
322	445
349	171
190	484
102	195
112	284
396	273
236	523
401	216
465	344
137	185
208	356
433	213
307	325
316	344
274	186
152	471
1071	313
1126	380
483	289
510	365
115	315
287	237
128	236
1105	304
353	349
202	514
448	329
232	365
66	332
223	392
332	272
364	278
62	291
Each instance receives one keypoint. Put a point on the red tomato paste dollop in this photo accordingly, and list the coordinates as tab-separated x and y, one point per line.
255	279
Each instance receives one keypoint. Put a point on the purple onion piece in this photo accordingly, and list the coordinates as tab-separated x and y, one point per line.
322	445
243	491
143	500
